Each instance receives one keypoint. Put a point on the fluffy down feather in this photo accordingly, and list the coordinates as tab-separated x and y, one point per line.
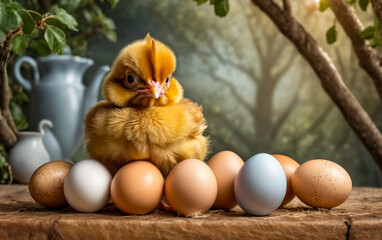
130	126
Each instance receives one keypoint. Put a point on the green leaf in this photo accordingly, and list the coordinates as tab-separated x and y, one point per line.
111	36
18	116
56	23
351	2
88	16
368	33
363	4
3	174
20	44
79	48
2	160
10	18
113	3
40	47
4	177
221	7
66	19
200	2
36	16
3	35
331	35
323	5
28	21
21	97
16	6
55	38
108	23
70	5
97	11
1	14
53	8
376	41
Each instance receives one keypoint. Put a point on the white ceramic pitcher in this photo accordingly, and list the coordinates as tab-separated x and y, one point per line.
29	153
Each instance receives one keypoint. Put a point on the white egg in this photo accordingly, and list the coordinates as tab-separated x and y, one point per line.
87	186
260	185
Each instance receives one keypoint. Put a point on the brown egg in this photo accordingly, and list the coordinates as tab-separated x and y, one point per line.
225	166
289	165
191	187
137	187
321	183
46	186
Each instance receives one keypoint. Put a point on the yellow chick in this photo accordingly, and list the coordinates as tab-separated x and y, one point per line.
144	116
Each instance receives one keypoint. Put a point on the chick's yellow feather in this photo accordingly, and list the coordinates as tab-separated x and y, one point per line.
133	123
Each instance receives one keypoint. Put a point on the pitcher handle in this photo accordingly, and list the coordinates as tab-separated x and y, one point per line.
43	125
19	77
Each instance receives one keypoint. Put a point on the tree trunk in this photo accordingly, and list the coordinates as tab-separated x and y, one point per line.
377	5
264	107
7	127
328	75
367	56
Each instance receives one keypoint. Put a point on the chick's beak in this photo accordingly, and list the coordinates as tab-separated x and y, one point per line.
155	88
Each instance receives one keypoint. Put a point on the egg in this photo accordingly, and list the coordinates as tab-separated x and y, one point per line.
225	166
289	165
46	185
191	187
321	183
137	188
87	186
260	185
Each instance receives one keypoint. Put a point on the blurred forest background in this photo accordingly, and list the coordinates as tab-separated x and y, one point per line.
257	92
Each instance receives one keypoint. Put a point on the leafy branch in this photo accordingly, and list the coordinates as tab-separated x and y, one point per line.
94	22
371	33
23	27
17	26
221	6
30	21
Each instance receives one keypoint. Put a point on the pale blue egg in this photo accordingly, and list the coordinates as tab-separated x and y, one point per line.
260	185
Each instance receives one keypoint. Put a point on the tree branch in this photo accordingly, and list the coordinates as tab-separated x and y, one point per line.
287	111
226	145
228	123
367	56
218	138
7	127
234	92
329	77
284	68
254	37
275	48
315	124
287	7
225	60
212	49
377	6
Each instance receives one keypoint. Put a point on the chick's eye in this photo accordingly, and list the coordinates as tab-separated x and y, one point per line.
130	81
167	80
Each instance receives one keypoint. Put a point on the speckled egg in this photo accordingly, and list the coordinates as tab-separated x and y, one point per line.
46	186
321	183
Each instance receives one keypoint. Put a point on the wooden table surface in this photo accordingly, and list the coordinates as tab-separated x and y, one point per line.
359	217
